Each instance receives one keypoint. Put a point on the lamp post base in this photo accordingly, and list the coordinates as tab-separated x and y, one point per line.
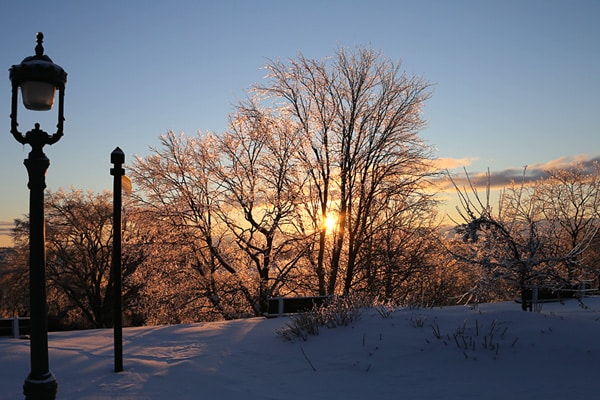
40	389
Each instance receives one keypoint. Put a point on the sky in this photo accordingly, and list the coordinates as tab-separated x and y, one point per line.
509	354
515	83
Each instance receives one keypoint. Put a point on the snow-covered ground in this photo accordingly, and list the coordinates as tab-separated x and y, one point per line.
494	351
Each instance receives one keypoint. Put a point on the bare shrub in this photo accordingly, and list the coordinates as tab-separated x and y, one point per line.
340	311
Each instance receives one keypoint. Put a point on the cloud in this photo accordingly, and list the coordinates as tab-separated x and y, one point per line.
567	162
6	227
453	163
525	173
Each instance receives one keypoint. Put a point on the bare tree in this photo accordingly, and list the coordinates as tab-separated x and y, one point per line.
402	246
359	117
260	188
174	188
14	282
79	250
572	198
516	244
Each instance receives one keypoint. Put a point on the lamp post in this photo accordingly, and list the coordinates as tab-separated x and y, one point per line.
39	78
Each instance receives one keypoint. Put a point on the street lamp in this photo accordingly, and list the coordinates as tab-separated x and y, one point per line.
39	78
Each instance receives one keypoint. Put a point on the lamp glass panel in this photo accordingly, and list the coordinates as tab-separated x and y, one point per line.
38	96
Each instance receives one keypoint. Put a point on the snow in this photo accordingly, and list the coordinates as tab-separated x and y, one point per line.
550	354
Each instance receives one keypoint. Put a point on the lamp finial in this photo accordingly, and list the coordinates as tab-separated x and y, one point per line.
39	49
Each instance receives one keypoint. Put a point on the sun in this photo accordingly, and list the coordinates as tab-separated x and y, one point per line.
330	222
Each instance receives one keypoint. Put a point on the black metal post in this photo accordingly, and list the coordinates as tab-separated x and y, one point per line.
40	383
117	157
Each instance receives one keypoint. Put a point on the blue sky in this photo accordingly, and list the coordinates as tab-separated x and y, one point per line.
516	82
